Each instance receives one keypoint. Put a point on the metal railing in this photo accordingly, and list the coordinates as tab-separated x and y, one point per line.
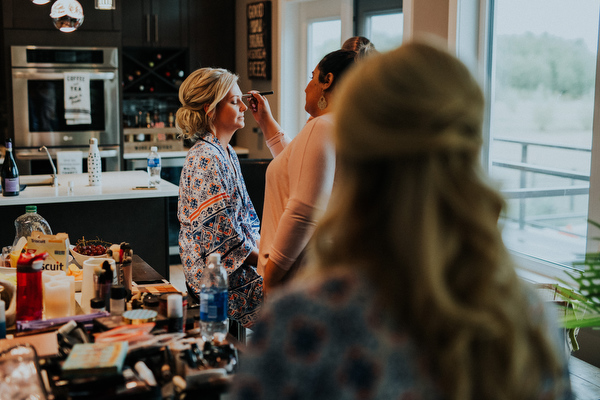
523	193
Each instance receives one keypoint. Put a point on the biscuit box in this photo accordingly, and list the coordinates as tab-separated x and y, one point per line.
57	247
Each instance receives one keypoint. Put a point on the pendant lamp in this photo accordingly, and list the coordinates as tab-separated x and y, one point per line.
67	15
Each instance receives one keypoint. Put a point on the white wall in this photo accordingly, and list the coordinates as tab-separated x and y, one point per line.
250	137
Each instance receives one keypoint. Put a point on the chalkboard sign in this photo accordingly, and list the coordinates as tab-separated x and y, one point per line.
259	40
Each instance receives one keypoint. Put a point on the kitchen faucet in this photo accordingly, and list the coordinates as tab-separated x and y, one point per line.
54	177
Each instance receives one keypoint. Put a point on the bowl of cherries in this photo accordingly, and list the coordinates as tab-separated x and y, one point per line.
85	249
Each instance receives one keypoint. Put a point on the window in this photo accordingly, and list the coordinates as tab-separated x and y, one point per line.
541	99
323	38
385	30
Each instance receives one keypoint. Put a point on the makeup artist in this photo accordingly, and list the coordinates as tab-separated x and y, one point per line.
300	177
215	211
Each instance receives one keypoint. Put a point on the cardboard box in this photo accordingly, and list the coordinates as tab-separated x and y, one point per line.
57	247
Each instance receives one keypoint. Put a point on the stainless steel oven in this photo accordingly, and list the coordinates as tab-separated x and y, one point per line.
38	75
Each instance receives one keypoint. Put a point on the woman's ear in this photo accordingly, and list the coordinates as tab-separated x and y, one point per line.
328	81
206	106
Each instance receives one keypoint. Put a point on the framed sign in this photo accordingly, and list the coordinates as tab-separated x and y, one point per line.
259	40
69	162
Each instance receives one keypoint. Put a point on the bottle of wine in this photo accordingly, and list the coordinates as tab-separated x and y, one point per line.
10	173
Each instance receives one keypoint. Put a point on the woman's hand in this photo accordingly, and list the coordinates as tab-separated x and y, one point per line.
273	276
261	111
252	258
259	105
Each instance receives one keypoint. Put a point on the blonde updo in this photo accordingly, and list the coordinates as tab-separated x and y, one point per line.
417	99
204	87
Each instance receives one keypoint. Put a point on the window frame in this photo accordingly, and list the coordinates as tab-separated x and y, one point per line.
477	54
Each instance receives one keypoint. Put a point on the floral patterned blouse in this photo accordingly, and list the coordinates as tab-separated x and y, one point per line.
216	216
327	339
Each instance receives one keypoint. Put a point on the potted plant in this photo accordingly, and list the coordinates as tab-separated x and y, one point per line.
579	300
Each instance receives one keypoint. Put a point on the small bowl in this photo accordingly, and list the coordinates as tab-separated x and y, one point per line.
80	258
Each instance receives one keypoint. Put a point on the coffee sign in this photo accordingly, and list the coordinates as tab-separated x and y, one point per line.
259	40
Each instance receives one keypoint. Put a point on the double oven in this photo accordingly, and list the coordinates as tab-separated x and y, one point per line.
38	76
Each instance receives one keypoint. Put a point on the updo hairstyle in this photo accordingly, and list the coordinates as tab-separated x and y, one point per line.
205	86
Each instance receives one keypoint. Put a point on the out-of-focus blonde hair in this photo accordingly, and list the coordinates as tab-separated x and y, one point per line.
412	211
205	86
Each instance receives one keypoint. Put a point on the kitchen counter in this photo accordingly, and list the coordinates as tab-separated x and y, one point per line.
138	155
114	212
115	186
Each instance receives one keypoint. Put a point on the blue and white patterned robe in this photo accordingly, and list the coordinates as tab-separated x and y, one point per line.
216	216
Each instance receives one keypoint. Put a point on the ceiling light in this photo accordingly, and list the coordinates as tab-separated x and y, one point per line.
67	15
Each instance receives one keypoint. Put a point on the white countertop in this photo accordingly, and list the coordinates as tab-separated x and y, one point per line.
115	186
174	153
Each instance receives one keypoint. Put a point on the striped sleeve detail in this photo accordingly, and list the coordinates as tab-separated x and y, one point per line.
207	203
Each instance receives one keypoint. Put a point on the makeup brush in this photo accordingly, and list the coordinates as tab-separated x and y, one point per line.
261	93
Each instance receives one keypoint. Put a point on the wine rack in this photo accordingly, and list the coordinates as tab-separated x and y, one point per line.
151	80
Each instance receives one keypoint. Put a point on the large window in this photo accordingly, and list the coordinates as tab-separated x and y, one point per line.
323	38
541	97
385	30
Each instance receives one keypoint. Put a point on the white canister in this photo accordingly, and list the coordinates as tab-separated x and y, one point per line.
94	164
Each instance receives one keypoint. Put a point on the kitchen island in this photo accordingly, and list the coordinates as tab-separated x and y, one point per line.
118	211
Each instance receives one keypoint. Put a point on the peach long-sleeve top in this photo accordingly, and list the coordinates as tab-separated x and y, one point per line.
298	186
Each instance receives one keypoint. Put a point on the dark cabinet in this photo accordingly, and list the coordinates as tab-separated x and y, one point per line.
155	23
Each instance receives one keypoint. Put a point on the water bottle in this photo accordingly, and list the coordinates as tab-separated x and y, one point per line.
153	166
29	286
30	222
213	300
94	164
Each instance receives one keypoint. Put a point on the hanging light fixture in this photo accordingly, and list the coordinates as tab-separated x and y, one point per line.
40	2
67	15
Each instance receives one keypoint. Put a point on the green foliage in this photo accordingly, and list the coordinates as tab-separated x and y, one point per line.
530	62
583	299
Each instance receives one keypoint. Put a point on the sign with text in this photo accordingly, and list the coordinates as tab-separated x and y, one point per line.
69	162
259	40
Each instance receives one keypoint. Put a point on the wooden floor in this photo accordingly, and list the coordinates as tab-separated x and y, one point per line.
585	380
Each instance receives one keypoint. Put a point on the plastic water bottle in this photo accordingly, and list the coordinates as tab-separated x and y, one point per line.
30	222
154	166
94	164
213	300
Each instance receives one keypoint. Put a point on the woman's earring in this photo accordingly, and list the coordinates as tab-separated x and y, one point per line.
322	104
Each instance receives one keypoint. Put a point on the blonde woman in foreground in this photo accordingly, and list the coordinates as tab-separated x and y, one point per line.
413	294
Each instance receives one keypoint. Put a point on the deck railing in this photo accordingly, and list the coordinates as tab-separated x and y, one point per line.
523	193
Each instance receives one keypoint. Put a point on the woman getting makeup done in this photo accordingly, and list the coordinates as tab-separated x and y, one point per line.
215	211
300	177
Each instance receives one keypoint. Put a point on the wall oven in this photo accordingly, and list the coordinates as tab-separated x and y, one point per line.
38	76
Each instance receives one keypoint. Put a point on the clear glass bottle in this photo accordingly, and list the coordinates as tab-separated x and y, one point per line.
10	173
154	166
30	222
213	300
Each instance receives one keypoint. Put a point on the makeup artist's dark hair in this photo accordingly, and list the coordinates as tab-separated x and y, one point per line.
337	63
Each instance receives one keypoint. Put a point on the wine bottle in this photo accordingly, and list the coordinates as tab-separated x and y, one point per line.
10	173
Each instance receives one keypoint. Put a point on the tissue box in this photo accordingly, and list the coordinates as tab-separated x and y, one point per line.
57	247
